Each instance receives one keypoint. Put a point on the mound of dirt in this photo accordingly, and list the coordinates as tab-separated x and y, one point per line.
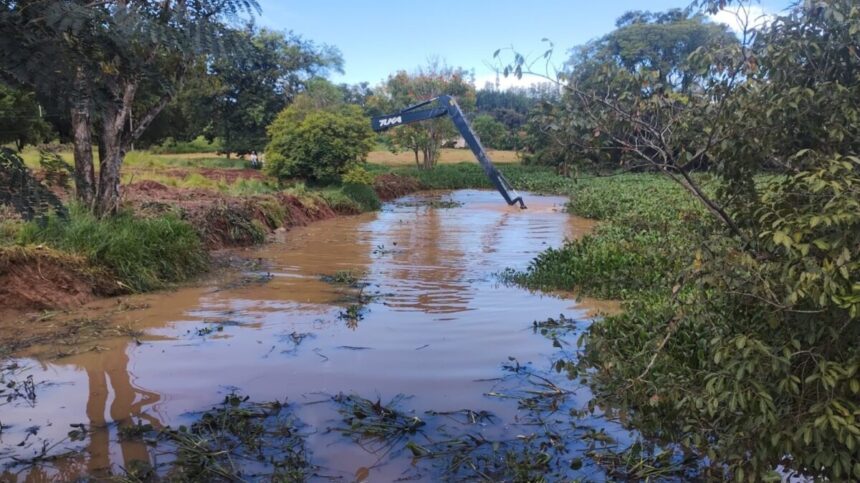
149	186
226	221
390	186
154	192
231	175
300	214
228	175
39	278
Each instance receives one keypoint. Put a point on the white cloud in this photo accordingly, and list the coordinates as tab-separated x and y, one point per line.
754	16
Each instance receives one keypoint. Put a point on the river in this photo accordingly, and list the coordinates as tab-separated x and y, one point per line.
438	327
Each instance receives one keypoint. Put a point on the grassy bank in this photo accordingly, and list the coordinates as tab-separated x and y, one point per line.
716	353
466	175
648	236
142	253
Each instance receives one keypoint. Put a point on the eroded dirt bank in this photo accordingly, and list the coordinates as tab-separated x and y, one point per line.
38	278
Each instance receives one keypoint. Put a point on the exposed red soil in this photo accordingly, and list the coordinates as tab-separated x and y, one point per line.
230	175
39	278
300	214
391	186
223	221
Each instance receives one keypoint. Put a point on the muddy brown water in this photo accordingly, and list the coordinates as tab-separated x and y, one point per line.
438	331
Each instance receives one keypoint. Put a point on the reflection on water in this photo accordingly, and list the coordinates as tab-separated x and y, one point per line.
438	330
110	378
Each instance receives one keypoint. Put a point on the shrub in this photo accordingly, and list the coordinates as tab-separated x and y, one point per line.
21	191
319	145
338	201
363	195
492	133
197	145
144	254
358	175
56	171
352	198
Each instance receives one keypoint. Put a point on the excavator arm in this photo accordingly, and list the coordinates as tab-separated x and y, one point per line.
447	106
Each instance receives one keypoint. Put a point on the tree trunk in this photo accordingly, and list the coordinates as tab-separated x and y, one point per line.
417	162
110	164
425	152
85	187
102	153
115	141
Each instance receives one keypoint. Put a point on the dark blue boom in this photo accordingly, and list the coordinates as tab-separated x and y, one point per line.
446	105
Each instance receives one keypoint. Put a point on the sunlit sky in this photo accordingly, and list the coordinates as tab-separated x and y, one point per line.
379	37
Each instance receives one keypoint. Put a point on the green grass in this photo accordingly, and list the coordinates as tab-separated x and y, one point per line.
339	201
148	159
537	179
143	253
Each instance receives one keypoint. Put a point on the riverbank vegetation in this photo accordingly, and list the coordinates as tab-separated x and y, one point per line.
740	270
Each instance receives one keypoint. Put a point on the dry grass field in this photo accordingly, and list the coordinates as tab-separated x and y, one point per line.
448	156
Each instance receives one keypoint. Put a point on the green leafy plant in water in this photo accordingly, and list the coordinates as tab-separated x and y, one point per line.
135	431
471	457
228	441
208	330
344	277
377	427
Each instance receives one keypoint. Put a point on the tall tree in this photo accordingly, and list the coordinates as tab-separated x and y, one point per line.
256	81
21	118
652	59
660	43
119	61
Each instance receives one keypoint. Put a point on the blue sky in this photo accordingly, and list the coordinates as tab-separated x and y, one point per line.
379	37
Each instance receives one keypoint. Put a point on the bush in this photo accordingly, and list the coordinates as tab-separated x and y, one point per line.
338	201
22	192
363	195
319	145
197	145
492	133
358	175
144	254
352	198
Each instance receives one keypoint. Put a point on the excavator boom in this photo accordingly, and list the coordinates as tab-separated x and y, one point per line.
446	105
